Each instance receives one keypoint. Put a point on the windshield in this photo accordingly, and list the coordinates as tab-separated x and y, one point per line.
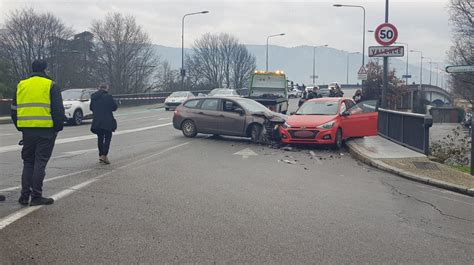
267	92
318	108
252	106
71	94
221	92
179	94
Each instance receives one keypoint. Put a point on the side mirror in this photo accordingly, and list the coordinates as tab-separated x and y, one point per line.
345	113
240	111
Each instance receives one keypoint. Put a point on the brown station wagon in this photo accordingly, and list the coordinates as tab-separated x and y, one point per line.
224	116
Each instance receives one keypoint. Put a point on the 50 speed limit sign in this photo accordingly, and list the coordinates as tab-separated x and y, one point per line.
386	34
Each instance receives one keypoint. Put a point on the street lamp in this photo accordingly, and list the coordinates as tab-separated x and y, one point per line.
183	72
406	68
314	62
421	72
431	62
363	29
437	73
266	61
347	66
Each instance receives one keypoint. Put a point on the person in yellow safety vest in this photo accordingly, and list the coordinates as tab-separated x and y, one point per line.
37	111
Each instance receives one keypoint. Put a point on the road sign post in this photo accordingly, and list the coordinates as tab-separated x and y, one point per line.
465	69
362	73
385	34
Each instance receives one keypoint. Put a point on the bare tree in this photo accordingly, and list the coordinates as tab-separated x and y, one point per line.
219	60
126	56
462	50
28	36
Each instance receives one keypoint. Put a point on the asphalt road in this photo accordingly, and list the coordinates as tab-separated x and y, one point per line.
166	198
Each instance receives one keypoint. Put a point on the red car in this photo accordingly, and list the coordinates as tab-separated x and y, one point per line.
330	121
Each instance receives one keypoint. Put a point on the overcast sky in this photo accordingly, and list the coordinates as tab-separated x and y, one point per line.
424	24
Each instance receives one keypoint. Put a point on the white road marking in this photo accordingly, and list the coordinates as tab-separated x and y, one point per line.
4	222
74	153
10	148
49	179
245	153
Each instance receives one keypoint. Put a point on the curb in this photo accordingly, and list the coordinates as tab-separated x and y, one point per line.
402	173
5	120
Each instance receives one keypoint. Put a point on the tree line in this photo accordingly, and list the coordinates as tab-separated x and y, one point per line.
114	50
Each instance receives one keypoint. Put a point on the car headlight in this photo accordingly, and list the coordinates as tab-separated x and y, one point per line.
327	125
67	106
286	125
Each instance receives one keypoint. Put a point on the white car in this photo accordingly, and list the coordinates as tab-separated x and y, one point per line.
76	104
223	92
176	98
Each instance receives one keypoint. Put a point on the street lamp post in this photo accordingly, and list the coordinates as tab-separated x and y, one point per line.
421	74
437	73
363	29
266	60
347	66
314	62
431	62
183	72
406	68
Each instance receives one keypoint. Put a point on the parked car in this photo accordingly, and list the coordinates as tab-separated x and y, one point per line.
223	92
295	93
330	121
76	104
176	98
224	116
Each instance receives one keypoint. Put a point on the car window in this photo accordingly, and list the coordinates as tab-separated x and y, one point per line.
210	104
192	104
366	106
85	95
230	106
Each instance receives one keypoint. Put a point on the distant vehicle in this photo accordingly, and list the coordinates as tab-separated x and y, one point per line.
324	92
270	89
176	98
223	92
223	116
295	93
330	121
76	104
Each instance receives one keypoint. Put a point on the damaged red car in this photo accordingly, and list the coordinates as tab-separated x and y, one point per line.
330	121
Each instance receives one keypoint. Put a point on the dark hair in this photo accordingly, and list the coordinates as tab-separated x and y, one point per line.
39	65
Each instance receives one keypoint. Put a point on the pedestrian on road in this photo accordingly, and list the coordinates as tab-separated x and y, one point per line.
357	96
37	111
103	122
338	92
2	198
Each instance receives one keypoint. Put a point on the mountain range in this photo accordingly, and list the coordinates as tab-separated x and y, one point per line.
331	64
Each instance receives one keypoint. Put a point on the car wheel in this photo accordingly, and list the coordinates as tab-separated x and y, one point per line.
167	109
189	128
256	133
77	117
338	141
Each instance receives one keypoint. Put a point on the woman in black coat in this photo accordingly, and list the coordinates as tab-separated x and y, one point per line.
103	122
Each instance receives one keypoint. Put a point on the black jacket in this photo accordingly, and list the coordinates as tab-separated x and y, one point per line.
102	106
57	110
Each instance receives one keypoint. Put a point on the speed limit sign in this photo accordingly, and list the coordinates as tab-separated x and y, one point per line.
386	34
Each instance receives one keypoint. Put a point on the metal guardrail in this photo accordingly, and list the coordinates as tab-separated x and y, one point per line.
408	129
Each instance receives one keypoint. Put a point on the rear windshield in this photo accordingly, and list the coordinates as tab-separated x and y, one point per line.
318	108
179	94
71	94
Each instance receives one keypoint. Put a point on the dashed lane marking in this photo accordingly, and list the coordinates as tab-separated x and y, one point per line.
4	222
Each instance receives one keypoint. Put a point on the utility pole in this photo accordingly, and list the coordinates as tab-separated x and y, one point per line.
385	66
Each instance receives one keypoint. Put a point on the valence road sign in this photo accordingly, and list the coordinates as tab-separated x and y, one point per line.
459	68
386	51
386	34
362	73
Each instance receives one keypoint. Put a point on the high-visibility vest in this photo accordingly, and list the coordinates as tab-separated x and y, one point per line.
34	103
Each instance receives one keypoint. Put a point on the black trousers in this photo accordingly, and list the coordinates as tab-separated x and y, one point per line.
103	141
37	150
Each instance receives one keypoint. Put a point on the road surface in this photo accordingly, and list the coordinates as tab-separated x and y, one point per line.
167	198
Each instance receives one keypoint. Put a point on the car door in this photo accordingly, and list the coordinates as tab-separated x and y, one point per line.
362	119
207	116
231	122
85	103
